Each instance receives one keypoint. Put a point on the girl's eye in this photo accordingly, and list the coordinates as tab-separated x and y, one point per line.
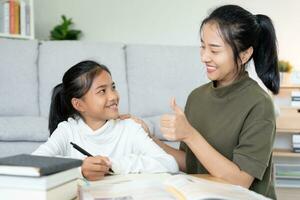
101	91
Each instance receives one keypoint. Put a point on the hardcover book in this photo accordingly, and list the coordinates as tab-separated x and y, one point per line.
32	165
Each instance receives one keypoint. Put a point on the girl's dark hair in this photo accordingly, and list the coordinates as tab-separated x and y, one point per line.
76	83
241	30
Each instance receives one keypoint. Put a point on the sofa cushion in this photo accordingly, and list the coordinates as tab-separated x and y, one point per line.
23	129
154	122
58	56
158	73
18	77
18	147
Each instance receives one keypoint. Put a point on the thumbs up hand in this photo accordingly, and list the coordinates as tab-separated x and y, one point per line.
175	126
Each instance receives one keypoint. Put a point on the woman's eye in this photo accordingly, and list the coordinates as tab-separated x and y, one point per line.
215	52
114	87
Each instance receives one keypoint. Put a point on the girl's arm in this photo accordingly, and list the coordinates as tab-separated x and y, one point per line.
176	153
146	156
93	168
55	145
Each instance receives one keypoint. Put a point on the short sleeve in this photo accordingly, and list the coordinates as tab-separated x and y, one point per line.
183	146
254	149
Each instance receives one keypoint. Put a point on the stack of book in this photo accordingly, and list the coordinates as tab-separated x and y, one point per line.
295	101
296	143
38	177
15	17
287	175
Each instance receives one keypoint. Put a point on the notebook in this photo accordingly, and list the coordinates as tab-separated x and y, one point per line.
32	165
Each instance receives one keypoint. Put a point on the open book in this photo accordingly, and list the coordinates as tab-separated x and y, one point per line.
193	188
164	187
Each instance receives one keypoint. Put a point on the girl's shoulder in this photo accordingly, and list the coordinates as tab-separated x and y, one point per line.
127	123
67	125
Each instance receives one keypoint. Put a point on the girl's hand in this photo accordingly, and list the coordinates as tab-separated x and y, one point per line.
175	126
94	168
137	120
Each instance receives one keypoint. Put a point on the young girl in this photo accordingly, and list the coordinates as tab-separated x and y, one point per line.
228	126
84	110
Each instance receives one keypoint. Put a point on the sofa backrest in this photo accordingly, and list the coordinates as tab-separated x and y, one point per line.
18	78
55	57
158	73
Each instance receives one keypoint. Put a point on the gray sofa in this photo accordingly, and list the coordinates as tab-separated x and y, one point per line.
147	76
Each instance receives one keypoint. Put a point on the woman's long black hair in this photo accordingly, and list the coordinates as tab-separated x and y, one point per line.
241	30
76	83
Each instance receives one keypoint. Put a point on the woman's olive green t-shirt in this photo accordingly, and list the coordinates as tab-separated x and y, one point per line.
238	120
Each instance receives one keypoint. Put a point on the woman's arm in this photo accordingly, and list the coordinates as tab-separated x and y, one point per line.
217	164
177	127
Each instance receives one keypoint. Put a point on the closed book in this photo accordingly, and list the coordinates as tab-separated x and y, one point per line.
12	16
65	191
296	146
296	138
1	17
39	183
295	103
22	17
32	165
296	98
295	94
287	171
296	150
27	20
17	17
6	17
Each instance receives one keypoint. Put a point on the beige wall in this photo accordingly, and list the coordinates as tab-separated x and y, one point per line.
172	22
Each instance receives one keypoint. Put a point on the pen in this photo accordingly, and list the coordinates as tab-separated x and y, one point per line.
84	152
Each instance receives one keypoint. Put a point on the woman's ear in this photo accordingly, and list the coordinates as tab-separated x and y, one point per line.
77	104
246	55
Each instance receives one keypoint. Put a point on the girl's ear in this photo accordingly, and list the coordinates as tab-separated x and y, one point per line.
246	55
77	104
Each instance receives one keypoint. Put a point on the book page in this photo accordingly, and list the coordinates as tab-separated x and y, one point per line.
126	187
193	188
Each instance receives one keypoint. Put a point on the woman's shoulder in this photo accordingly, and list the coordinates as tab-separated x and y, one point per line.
257	92
258	97
201	90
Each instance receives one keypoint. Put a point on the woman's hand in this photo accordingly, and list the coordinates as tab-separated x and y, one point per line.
137	120
94	168
175	126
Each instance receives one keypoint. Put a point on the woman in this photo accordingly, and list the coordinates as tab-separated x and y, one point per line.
228	126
